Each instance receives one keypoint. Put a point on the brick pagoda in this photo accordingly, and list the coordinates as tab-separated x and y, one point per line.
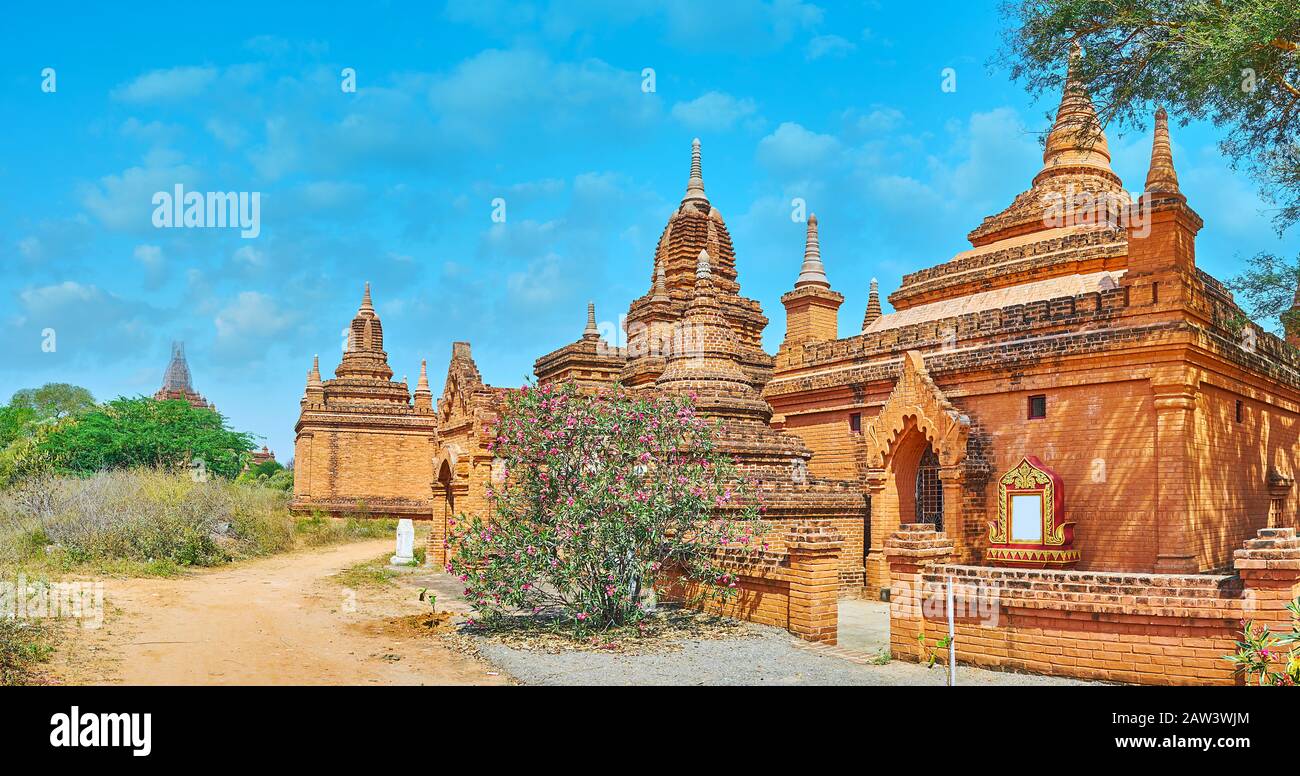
364	444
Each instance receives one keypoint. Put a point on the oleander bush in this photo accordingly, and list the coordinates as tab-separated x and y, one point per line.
1268	658
595	499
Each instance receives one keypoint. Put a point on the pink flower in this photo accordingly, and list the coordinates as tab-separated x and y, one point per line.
582	615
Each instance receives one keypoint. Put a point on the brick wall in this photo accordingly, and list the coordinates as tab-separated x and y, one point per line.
1233	500
1139	628
386	471
793	585
1100	438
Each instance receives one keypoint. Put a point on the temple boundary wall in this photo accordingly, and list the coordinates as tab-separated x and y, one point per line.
1122	627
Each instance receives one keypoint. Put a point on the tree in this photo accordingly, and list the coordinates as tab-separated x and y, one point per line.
145	432
1233	62
54	400
597	498
14	423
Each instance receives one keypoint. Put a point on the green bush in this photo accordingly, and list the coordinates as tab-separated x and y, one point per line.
1268	658
132	433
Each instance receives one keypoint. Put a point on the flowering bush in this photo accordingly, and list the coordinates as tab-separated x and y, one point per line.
594	498
1261	653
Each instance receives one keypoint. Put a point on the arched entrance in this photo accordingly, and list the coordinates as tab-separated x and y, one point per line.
914	455
444	511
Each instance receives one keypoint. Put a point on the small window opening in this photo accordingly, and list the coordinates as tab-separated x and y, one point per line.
1037	407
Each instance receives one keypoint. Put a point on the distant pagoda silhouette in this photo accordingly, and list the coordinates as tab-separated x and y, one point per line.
177	383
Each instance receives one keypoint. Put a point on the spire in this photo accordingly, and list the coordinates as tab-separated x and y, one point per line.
702	271
813	272
366	304
177	376
1161	178
873	305
1076	139
591	332
423	396
313	377
695	186
660	290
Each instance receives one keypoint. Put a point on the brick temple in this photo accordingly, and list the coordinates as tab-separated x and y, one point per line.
364	443
1073	361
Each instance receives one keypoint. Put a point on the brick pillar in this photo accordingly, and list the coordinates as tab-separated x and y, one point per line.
954	518
814	559
1269	566
1175	405
883	523
910	551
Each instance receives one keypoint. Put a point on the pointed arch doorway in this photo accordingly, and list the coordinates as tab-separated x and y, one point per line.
915	451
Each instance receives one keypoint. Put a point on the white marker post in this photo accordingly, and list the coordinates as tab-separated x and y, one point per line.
952	640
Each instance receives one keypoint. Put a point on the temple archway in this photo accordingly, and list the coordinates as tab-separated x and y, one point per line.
915	455
445	490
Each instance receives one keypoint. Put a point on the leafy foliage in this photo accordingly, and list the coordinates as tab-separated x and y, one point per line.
1233	62
144	432
597	498
53	401
1271	659
15	422
271	474
1267	288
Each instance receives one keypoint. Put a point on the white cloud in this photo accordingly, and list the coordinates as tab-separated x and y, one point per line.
828	46
90	326
250	256
166	85
149	255
228	133
246	322
125	201
484	96
713	111
792	148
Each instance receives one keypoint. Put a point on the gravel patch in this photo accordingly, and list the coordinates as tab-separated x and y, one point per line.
766	657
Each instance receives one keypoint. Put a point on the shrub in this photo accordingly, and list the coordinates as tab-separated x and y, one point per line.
127	433
596	499
1271	659
142	515
318	529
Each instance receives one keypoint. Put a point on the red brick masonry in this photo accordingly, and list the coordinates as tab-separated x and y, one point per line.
1140	628
795	586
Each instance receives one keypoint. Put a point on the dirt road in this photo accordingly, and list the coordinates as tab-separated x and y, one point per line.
280	620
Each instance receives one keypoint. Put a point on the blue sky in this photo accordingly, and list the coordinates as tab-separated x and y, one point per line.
456	104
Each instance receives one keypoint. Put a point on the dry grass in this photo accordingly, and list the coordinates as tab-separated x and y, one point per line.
154	523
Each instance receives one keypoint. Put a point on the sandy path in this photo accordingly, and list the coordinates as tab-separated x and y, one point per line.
279	620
